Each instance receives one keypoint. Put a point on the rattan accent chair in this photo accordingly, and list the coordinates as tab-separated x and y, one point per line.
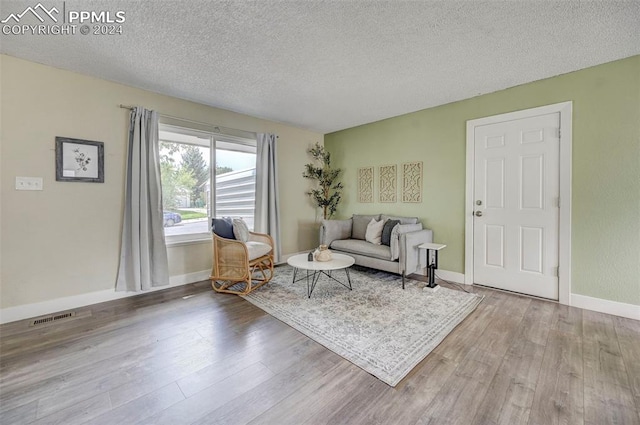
241	267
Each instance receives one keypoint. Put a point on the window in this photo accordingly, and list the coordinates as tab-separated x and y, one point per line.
193	191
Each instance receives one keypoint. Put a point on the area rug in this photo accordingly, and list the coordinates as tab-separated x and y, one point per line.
377	326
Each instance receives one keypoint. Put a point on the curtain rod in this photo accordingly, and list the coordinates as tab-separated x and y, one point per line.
216	128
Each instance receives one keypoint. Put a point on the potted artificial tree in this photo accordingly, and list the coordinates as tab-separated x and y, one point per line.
329	191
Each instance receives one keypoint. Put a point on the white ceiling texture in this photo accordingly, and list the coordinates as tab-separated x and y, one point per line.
330	65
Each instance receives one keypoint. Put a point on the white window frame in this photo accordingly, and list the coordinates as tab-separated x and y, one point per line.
245	141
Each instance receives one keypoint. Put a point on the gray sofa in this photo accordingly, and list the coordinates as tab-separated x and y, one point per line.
401	256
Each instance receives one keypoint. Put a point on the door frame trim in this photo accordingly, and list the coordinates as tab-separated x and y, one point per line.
565	109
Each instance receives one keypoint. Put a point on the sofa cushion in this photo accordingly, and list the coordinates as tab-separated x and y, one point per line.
374	231
360	223
355	246
402	220
386	231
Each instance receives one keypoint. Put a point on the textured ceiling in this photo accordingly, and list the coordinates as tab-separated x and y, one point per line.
330	65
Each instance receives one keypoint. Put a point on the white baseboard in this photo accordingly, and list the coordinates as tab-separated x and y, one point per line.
285	257
27	311
450	276
615	308
183	279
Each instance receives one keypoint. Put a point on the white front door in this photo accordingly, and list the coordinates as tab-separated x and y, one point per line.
516	205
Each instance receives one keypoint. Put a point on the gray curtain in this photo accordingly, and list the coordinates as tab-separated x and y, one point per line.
143	253
267	215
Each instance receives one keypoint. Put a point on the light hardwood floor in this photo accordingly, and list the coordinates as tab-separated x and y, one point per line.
214	358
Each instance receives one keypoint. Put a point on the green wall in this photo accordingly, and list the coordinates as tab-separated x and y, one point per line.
605	169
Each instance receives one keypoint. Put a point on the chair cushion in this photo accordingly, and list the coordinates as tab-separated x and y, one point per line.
355	246
223	227
240	230
360	223
257	249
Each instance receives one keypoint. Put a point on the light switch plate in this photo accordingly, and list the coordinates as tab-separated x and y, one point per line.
28	183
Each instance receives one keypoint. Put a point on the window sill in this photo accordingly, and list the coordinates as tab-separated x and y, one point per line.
184	240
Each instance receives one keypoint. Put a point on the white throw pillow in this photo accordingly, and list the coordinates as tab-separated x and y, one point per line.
240	230
374	231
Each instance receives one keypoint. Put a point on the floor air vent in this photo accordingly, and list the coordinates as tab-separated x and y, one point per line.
52	318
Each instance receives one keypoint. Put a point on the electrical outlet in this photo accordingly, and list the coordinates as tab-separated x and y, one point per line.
28	183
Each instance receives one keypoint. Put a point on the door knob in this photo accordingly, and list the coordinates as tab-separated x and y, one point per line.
478	213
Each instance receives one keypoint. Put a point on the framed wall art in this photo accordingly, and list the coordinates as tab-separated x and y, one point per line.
79	160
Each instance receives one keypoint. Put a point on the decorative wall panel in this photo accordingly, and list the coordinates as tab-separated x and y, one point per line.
412	181
365	184
388	183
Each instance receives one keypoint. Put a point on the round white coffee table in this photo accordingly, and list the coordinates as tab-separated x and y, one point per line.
317	268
